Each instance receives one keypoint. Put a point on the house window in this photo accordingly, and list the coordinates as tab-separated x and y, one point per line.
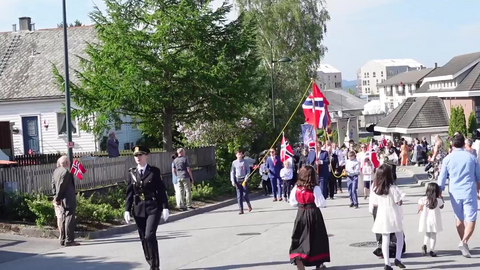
118	124
335	76
381	74
368	82
374	74
128	146
62	124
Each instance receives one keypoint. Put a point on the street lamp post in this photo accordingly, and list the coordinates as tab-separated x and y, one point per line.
282	60
68	116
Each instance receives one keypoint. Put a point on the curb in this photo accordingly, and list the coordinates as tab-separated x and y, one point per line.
127	228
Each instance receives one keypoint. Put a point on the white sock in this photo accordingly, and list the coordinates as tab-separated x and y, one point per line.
385	248
426	239
433	240
400	239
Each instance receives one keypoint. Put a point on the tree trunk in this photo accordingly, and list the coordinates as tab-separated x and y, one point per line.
167	131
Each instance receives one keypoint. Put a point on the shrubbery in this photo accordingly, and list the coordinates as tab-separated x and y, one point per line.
98	208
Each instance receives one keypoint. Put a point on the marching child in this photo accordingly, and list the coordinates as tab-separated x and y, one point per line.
430	217
352	166
367	172
310	246
388	198
286	174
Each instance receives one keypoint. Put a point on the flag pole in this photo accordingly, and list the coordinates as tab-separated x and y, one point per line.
315	123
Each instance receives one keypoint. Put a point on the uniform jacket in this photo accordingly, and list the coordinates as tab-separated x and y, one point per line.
64	188
323	172
147	195
274	170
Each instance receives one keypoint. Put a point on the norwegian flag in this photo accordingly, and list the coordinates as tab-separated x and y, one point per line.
286	151
77	169
315	109
372	155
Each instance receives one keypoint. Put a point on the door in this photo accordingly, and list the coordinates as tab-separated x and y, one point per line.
31	138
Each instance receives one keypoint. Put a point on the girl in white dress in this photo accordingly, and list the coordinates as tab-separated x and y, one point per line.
430	217
388	199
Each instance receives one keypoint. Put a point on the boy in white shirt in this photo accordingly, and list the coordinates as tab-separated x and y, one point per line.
352	166
286	174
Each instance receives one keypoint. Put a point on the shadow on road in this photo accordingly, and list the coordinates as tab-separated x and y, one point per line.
238	266
8	243
114	240
54	262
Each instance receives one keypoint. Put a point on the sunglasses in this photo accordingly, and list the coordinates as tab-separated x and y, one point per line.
138	155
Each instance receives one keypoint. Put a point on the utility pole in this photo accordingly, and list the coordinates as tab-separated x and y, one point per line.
68	114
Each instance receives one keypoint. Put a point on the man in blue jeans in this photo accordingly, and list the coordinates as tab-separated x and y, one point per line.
463	170
239	177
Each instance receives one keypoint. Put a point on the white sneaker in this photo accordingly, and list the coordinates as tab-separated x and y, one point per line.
464	249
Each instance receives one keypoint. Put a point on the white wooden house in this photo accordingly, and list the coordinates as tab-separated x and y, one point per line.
32	102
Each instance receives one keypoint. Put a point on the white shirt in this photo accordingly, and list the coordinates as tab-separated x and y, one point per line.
141	170
286	173
317	193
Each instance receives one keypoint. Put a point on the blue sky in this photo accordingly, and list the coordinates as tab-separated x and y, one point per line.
428	31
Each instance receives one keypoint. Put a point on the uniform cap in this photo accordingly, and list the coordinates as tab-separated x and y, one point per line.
140	150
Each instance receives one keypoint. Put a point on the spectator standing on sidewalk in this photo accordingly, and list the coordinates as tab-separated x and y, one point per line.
66	201
112	146
239	176
176	186
181	168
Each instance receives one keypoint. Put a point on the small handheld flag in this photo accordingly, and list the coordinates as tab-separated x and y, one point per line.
77	169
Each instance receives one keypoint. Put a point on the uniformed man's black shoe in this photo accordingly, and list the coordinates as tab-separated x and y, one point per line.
399	264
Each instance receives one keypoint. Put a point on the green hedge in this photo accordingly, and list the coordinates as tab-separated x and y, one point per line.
98	208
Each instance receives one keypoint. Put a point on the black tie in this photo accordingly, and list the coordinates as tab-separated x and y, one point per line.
141	173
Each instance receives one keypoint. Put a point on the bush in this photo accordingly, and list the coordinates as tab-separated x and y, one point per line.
202	192
89	211
17	207
43	209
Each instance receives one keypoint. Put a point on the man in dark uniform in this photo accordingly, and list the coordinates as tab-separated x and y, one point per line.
147	194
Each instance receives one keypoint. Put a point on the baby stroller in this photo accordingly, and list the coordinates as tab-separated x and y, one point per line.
432	169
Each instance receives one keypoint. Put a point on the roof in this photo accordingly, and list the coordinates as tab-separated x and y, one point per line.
398	62
471	82
341	100
327	69
26	60
407	77
455	65
417	112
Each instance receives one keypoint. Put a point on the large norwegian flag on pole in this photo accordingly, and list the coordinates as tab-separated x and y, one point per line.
315	109
286	152
78	170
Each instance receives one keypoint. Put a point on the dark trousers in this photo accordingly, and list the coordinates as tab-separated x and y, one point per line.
147	230
394	171
352	184
332	182
323	183
276	187
267	187
242	194
67	226
287	188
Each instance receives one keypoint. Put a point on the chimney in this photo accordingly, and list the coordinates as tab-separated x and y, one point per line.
25	23
436	65
14	28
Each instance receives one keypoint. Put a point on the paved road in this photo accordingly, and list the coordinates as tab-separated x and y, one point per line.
222	240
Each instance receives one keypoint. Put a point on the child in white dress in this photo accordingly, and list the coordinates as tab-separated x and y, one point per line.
430	217
388	199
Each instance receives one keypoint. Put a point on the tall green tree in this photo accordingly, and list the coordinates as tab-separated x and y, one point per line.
287	28
472	125
163	62
457	121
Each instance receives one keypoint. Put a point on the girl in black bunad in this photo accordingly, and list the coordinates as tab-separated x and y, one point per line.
310	245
